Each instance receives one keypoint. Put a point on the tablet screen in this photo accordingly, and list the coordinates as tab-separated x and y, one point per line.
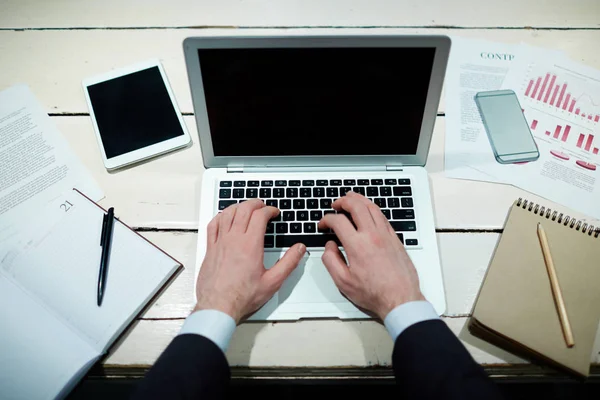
133	111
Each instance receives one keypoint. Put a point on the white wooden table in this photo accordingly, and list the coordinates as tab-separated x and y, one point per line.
53	45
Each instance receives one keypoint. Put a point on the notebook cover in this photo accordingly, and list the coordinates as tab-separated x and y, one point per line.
515	302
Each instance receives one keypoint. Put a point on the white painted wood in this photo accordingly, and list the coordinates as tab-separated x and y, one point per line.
323	343
273	13
54	63
465	257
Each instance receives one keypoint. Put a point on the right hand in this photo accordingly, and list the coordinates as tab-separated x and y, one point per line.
379	274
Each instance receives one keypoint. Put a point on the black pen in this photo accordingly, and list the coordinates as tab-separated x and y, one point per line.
105	243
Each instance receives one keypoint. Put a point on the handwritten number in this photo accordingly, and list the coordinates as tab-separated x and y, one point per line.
66	206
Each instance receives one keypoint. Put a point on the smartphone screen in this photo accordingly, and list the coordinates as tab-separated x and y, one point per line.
133	111
506	126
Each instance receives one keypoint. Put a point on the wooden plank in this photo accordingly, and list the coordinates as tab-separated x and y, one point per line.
462	274
289	13
67	57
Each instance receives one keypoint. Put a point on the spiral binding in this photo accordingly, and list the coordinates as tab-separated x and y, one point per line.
560	218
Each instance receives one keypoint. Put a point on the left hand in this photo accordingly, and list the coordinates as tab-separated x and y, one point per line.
233	278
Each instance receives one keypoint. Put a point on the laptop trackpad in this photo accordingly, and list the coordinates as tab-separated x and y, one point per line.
310	282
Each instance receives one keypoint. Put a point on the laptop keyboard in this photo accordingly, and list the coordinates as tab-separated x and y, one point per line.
304	202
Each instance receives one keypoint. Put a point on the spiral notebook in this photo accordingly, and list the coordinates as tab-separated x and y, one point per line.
515	308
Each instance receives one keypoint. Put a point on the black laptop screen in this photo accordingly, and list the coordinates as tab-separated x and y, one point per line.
315	101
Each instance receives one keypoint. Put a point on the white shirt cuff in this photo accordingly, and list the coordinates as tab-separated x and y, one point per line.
408	314
212	324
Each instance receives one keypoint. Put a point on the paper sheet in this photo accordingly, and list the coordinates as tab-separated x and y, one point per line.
36	163
474	66
561	102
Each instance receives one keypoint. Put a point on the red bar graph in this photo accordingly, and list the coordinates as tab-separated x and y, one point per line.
595	150
566	134
577	112
554	95
564	107
580	140
529	87
562	93
543	87
535	89
590	117
588	143
548	133
572	105
557	131
534	124
550	86
596	118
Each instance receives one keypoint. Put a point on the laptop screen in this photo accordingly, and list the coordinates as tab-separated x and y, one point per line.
315	101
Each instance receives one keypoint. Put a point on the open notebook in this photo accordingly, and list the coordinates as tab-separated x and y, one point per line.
52	329
515	308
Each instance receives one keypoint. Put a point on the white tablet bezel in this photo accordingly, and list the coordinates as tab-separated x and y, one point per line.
145	152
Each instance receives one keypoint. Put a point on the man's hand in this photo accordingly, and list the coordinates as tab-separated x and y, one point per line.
233	278
379	274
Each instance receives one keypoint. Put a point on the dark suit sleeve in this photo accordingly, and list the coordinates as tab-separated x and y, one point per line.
191	367
431	363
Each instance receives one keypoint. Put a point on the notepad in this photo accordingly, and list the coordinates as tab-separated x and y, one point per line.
52	329
515	308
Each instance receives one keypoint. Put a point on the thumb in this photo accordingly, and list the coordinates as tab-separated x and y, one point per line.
336	265
274	277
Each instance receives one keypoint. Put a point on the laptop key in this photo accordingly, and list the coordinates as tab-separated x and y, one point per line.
393	202
310	227
349	182
376	181
372	191
290	215
295	227
363	182
385	191
299	204
387	214
224	193
332	192
390	181
251	193
294	183
403	181
238	193
316	215
277	217
325	203
281	227
317	240
266	183
291	192
305	192
280	183
412	242
328	212
312	204
270	227
335	182
302	215
322	182
380	201
269	241
359	190
344	190
406	202
253	183
265	193
225	184
318	192
223	204
278	192
308	183
400	236
403	214
285	204
272	203
401	226
402	191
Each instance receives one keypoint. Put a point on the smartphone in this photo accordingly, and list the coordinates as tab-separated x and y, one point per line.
506	127
134	114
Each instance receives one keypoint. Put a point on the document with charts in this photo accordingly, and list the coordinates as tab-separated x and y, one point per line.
561	102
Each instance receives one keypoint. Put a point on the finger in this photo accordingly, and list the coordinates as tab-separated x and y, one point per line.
357	209
381	221
244	213
274	277
336	265
227	218
212	230
259	220
341	225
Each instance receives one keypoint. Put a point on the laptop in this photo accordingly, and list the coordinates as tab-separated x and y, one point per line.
299	121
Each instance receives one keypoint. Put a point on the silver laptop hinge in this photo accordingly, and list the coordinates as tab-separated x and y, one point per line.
235	169
393	168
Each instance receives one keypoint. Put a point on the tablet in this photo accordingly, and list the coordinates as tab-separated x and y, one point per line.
134	114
